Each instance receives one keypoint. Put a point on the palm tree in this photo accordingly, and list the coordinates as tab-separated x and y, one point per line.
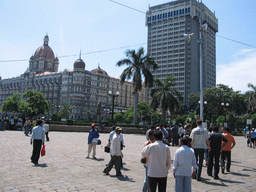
252	97
165	96
139	66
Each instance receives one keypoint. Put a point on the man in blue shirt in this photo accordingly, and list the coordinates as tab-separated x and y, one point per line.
92	145
37	138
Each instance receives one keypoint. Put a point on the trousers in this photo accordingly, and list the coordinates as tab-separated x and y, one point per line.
157	181
183	183
37	144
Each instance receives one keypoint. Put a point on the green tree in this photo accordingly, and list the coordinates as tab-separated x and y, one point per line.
165	96
118	117
37	104
12	104
139	66
65	110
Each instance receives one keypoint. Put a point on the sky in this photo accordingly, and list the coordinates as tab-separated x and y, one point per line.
104	30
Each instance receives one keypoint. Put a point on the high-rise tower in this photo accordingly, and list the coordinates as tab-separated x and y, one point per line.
167	24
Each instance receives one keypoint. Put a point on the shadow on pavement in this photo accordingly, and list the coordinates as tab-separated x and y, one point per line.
208	182
41	165
239	174
229	181
125	169
100	159
125	178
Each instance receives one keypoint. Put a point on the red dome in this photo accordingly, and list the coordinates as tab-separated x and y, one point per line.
99	71
79	63
44	51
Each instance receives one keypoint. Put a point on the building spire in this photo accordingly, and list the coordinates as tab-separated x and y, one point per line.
46	39
80	55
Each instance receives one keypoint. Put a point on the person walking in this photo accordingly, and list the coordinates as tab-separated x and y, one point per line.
253	138
175	136
46	128
93	133
115	152
37	138
26	126
215	140
159	162
184	161
199	142
226	150
2	125
151	140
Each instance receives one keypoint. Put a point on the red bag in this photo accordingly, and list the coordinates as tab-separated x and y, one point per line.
43	151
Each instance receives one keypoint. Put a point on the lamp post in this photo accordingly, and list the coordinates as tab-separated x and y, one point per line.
202	28
225	105
113	95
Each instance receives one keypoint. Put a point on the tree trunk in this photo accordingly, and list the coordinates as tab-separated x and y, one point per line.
135	108
164	116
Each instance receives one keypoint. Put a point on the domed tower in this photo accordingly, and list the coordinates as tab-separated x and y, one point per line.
44	60
79	64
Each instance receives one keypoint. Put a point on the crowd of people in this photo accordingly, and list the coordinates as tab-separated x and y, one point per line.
195	145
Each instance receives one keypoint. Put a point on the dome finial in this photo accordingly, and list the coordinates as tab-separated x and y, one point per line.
46	39
80	55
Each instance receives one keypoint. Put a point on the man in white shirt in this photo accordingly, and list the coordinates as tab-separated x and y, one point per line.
115	152
46	129
184	160
159	162
38	138
199	137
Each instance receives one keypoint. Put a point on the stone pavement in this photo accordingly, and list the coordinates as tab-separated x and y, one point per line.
65	168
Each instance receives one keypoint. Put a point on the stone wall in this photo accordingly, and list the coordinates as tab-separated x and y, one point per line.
81	128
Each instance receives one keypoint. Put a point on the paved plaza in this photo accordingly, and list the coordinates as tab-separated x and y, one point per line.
65	168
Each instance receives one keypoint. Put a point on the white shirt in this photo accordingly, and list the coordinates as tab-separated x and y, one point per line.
115	147
159	161
38	133
112	133
181	131
46	128
199	135
184	160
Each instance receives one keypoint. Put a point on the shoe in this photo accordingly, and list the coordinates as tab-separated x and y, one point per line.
216	177
198	178
106	173
87	157
209	175
222	171
95	158
228	170
119	175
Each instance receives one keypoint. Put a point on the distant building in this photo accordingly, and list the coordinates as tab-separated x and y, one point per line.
81	88
167	23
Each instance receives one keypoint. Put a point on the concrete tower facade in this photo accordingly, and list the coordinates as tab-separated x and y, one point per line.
167	24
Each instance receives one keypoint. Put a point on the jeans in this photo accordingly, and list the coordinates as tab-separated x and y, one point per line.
160	181
199	153
26	131
216	156
145	184
225	154
182	183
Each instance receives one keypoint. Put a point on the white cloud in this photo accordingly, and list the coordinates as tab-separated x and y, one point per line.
239	72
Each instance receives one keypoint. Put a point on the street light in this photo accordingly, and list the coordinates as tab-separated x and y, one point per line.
113	95
225	105
202	28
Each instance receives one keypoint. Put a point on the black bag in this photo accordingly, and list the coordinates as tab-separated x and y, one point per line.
107	149
143	160
99	142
